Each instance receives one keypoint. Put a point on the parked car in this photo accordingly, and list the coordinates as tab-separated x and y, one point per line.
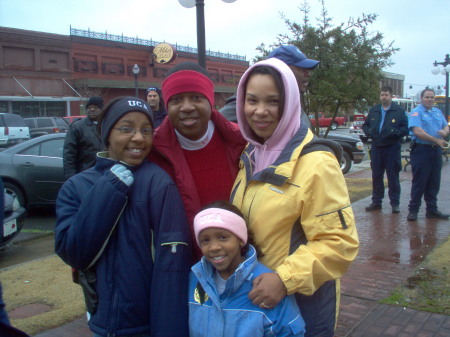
326	121
13	129
32	171
356	127
13	219
353	150
40	126
71	119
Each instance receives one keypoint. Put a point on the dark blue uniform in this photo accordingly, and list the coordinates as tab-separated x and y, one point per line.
386	150
426	159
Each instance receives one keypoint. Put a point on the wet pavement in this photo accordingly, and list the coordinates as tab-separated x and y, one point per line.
391	248
36	239
27	247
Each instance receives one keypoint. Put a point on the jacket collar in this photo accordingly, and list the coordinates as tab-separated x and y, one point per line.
104	163
269	175
205	271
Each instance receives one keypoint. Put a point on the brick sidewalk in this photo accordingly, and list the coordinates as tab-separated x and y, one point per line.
390	249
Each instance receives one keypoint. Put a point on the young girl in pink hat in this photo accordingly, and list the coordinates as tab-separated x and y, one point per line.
220	282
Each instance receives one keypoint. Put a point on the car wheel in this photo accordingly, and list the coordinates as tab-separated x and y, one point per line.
15	191
346	162
334	126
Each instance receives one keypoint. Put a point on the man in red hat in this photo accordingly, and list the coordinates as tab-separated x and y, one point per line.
195	144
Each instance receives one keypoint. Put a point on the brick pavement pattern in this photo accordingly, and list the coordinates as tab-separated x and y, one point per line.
391	248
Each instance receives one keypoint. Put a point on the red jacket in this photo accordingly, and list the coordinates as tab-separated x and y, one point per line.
168	154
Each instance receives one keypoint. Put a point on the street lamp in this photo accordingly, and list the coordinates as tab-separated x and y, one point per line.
201	44
136	73
445	70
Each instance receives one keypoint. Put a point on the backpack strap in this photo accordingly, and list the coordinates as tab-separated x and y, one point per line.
320	144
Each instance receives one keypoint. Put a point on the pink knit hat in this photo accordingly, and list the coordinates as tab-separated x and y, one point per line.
220	218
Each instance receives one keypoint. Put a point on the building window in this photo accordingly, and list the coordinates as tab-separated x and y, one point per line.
113	68
38	109
85	66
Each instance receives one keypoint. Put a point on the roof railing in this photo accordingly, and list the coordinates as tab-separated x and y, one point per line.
143	42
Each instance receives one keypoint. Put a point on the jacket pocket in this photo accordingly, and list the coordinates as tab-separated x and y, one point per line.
341	218
174	252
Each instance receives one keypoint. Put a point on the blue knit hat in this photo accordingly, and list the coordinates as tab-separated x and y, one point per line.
118	109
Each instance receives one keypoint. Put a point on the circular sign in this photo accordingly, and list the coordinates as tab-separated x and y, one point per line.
164	53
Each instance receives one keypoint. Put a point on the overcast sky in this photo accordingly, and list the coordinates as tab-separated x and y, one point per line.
421	29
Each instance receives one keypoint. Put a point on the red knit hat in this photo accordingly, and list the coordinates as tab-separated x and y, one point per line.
188	81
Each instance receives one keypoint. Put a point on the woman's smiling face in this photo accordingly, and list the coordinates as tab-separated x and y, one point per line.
262	105
131	149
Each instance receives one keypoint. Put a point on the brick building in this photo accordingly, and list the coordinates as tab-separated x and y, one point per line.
44	74
395	81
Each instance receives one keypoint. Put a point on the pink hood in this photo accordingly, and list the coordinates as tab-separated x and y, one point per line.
267	153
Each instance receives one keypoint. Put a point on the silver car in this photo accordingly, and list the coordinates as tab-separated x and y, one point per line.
32	171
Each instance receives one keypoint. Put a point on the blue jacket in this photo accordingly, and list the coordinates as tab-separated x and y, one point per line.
394	128
138	292
232	313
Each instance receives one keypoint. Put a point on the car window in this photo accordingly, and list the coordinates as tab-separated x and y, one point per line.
14	120
50	148
32	151
44	122
30	123
61	122
53	148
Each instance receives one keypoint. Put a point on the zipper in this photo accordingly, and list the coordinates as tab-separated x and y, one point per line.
173	245
113	305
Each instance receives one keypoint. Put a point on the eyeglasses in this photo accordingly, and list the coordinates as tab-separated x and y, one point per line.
130	132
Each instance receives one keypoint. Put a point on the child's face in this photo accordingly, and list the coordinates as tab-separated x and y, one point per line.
222	249
131	148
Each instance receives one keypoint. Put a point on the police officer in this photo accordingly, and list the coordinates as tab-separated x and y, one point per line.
429	128
386	124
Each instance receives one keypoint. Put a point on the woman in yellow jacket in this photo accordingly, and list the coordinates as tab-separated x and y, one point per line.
296	205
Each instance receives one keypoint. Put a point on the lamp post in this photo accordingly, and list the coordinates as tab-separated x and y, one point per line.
201	43
444	71
136	73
